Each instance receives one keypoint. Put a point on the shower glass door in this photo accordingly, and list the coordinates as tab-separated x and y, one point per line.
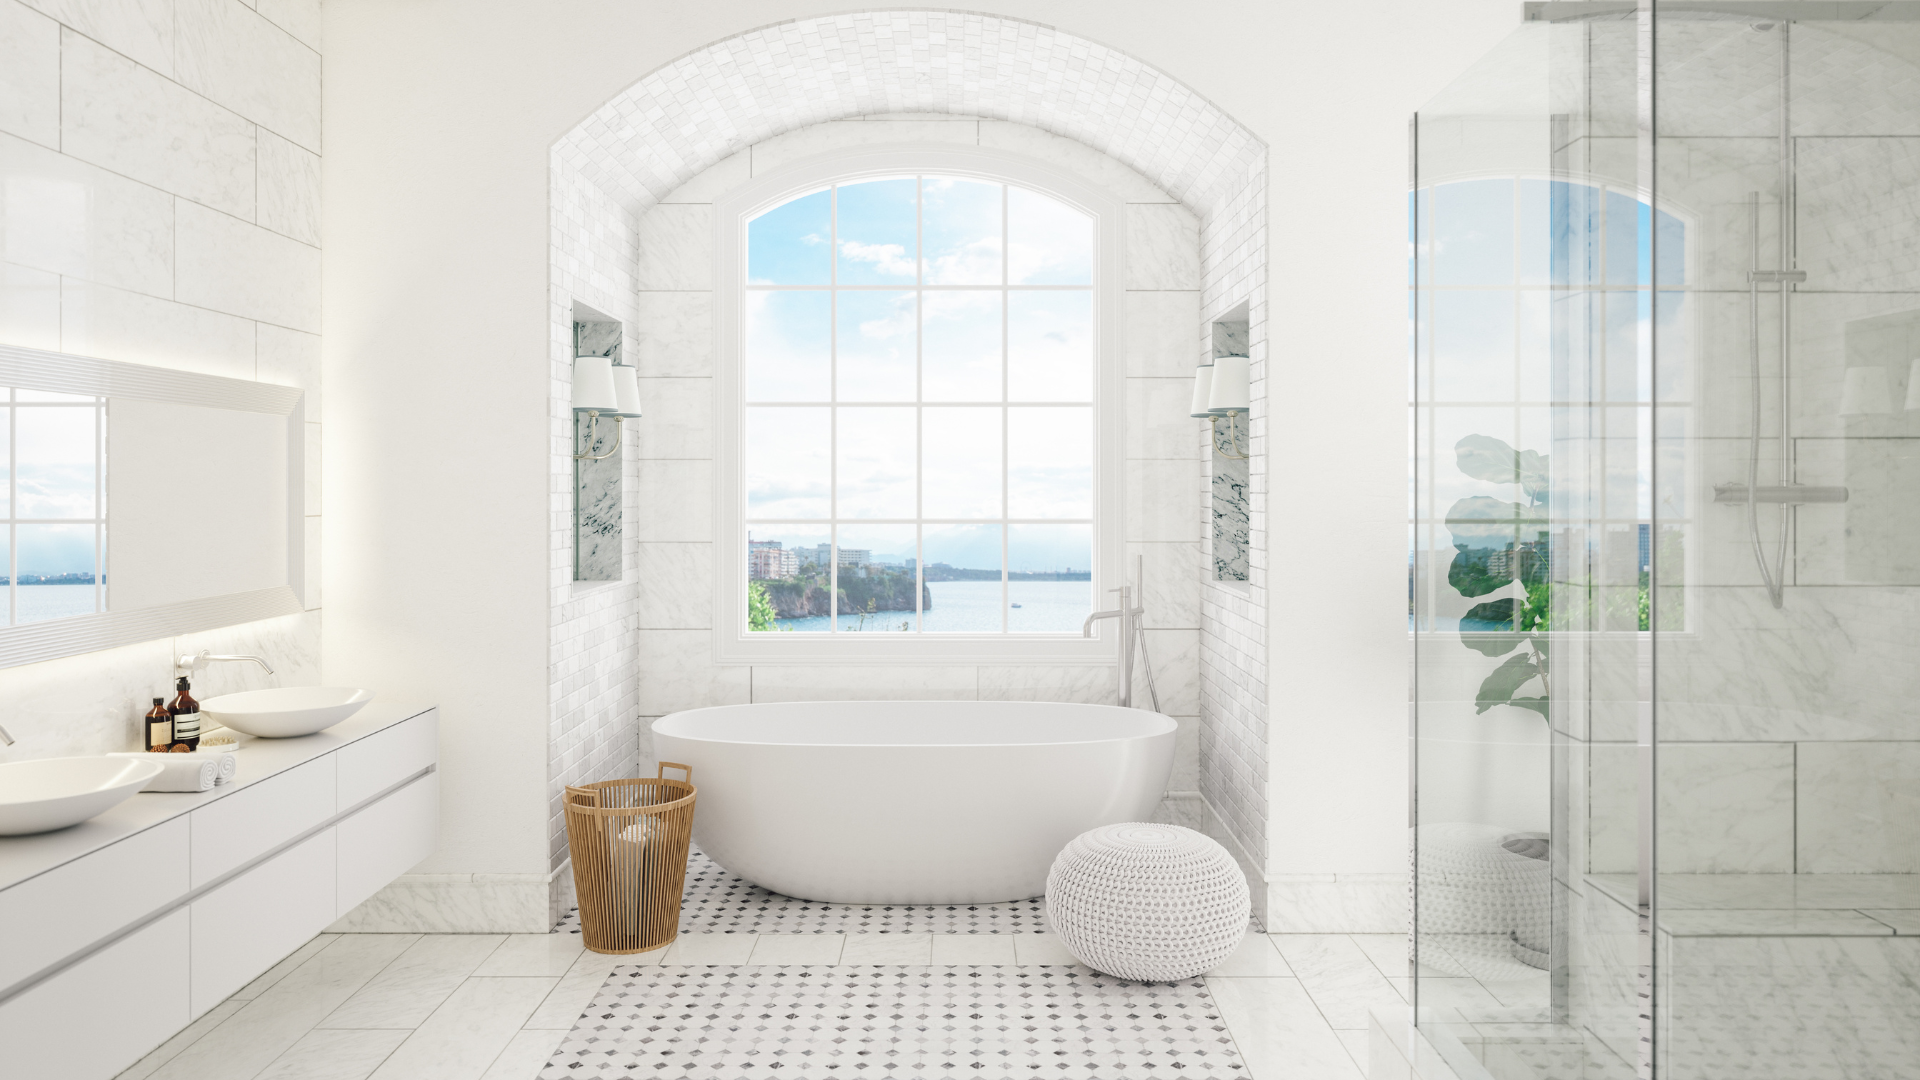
1664	572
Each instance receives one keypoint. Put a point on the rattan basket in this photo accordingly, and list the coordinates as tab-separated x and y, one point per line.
629	842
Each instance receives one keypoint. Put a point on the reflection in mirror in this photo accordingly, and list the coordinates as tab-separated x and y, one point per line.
54	521
201	478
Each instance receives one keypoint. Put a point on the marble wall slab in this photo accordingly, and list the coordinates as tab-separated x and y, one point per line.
136	122
132	196
1859	808
29	75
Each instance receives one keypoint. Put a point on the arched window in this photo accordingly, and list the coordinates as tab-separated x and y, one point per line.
918	394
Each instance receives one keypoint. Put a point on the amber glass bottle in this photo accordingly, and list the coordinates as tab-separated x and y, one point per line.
159	727
186	716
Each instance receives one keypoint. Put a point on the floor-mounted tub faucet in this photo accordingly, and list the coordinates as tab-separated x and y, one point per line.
1132	634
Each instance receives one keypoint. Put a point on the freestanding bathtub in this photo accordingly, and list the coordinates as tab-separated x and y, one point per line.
912	802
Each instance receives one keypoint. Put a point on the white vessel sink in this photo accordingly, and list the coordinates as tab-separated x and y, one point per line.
285	712
53	793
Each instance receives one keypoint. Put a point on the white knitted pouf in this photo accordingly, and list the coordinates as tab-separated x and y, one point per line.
1152	903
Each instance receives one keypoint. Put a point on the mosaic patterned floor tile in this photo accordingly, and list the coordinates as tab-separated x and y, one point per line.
718	902
733	1022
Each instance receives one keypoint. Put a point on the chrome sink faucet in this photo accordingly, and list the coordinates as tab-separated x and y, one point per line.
194	663
1132	634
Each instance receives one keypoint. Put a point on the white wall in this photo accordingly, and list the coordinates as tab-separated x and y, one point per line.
439	117
160	204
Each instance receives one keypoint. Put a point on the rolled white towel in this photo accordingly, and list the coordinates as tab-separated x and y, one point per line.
226	761
180	772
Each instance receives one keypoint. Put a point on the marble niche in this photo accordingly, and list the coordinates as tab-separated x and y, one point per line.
597	485
1232	529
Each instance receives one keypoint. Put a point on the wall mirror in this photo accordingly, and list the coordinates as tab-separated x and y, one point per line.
142	502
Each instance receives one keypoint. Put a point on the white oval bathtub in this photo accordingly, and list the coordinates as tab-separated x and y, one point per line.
912	802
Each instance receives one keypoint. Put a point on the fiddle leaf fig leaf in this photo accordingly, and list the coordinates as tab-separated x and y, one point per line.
1484	457
1500	639
1482	528
1498	687
1537	704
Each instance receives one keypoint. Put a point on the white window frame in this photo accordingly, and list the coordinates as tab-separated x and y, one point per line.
733	643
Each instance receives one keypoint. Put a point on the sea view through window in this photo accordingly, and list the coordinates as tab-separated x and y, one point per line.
918	360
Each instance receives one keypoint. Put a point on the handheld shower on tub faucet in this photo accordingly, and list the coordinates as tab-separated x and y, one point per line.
1133	634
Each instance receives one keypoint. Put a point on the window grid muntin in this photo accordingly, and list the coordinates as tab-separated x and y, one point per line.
834	522
10	401
1429	519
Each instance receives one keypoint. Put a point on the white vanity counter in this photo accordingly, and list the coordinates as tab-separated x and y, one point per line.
22	857
121	930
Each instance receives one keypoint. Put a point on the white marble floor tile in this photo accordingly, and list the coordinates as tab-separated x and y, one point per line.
412	986
1356	1043
797	949
267	1026
710	949
590	962
1441	993
526	1052
564	1003
1256	956
1041	949
335	1054
280	970
888	949
1388	953
532	954
973	949
188	1035
1339	977
468	1031
1279	1032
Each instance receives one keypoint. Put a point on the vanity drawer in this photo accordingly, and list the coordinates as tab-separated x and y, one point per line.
62	911
387	839
377	762
252	922
258	818
104	1013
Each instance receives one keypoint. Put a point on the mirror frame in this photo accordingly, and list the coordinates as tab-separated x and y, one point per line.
64	373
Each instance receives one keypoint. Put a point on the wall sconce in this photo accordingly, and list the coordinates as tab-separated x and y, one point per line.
601	386
1220	389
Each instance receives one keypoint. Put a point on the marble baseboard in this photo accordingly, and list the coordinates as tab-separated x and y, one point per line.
456	904
1336	904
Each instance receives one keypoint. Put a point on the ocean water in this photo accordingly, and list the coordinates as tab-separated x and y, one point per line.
974	607
39	603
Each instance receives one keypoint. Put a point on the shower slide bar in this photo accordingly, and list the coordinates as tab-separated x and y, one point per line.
1788	494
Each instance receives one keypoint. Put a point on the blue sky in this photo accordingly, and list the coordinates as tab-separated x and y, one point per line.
1024	346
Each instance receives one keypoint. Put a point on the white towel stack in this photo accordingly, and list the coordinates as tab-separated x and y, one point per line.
227	764
180	772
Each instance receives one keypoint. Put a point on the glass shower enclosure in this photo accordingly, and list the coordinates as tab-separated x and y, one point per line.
1664	547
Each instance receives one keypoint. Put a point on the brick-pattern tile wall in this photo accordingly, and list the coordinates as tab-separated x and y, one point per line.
593	687
1233	615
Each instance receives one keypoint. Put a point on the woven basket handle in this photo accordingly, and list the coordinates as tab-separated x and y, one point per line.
661	772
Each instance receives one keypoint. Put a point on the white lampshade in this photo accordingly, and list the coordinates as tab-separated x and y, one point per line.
1913	386
1865	392
626	390
1229	393
1202	388
593	385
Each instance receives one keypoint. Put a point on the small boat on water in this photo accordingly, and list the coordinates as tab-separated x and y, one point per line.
1016	605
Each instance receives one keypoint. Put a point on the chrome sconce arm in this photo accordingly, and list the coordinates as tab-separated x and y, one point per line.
1232	451
593	435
